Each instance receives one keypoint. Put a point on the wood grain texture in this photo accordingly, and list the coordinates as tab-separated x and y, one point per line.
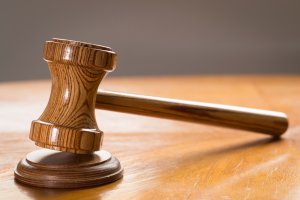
68	122
77	68
166	159
263	121
54	169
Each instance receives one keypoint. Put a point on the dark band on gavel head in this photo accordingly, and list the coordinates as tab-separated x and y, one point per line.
68	122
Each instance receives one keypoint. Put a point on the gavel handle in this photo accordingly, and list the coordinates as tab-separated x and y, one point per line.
263	121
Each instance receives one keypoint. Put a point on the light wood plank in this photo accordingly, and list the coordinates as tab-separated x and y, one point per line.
166	159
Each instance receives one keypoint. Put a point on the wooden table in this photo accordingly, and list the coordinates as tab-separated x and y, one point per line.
166	159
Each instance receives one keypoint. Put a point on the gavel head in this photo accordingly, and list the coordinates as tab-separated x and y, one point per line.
68	122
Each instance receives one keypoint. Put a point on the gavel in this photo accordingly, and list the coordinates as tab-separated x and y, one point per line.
68	126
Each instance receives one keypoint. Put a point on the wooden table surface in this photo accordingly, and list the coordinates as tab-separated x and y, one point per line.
166	159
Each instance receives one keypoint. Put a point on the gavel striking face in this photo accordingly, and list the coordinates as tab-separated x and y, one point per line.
68	123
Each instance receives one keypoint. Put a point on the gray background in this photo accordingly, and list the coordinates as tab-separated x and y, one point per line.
156	37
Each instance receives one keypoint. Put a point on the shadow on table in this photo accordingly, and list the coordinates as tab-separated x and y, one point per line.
257	145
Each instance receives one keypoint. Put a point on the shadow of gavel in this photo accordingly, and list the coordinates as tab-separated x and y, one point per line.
68	122
78	68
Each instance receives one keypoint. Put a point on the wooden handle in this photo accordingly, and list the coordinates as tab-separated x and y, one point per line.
263	121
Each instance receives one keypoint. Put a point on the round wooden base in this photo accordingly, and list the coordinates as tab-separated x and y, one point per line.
54	169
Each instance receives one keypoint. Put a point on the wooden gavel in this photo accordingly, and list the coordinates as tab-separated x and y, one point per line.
68	123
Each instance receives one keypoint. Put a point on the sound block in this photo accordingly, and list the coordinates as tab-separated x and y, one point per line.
55	169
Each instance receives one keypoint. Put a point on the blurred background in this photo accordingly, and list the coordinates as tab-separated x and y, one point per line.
156	37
